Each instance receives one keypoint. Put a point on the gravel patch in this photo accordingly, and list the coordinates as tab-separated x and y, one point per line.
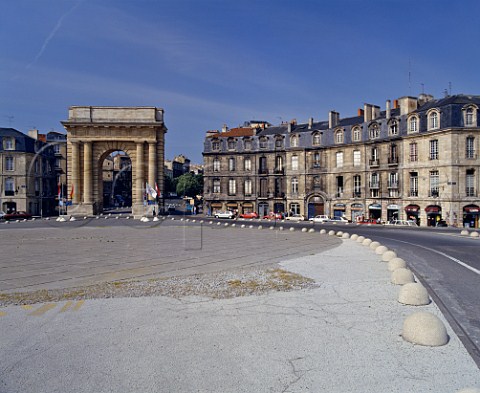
220	285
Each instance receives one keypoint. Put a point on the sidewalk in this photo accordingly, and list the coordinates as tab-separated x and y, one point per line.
342	336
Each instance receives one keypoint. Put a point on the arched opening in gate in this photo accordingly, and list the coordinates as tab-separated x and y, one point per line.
315	206
116	180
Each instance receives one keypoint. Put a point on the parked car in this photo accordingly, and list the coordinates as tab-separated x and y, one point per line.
320	218
17	216
2	215
441	223
249	215
338	219
371	221
295	217
226	214
403	223
273	216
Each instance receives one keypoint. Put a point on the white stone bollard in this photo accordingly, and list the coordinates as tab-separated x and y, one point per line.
354	237
474	234
396	263
280	229
234	225
380	250
331	233
374	245
339	233
292	229
346	236
323	231
260	227
367	242
388	255
304	229
360	239
413	294
464	232
424	328
272	227
311	230
402	276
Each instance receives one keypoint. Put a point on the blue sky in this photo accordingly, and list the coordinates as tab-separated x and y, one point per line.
226	61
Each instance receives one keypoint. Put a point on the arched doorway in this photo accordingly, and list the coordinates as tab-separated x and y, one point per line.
471	216
413	213
375	211
95	132
315	206
116	180
434	214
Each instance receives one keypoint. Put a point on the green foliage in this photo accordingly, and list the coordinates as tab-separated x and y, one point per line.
189	185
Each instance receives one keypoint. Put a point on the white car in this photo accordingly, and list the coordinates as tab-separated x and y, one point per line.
403	223
295	217
2	214
338	219
227	214
321	218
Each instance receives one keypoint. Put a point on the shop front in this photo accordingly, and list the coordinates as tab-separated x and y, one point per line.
356	212
215	207
471	215
434	214
339	210
393	212
279	207
375	211
247	207
262	209
233	207
315	207
413	213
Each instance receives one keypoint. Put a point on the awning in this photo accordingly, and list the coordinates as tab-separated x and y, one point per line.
393	207
412	209
356	206
216	205
375	206
231	204
433	209
247	204
339	206
471	209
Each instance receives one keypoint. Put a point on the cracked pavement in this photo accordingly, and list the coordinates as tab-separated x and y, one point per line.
340	336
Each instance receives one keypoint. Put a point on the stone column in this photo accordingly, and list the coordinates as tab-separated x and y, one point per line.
87	173
140	174
152	164
76	172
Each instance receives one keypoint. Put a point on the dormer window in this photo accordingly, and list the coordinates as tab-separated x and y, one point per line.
231	143
413	124
9	143
357	134
215	144
433	120
393	127
316	139
339	136
263	143
374	131
278	142
247	144
294	141
470	116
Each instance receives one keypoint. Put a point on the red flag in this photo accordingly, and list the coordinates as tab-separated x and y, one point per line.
157	189
71	193
59	190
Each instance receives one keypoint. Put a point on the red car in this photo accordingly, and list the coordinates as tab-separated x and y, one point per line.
249	215
369	221
17	216
273	216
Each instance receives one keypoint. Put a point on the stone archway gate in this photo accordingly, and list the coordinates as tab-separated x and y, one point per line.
93	132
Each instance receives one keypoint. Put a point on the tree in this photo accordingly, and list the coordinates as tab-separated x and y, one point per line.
190	185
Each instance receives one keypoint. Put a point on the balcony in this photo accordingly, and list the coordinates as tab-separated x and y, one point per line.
392	184
433	193
357	194
470	155
374	163
263	171
392	161
263	195
470	192
280	171
413	193
374	185
9	193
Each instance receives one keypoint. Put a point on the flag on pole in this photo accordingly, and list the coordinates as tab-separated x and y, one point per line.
157	190
59	191
72	193
151	191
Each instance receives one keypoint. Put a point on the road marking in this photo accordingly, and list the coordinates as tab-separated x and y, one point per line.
42	310
78	305
66	306
2	313
27	306
458	261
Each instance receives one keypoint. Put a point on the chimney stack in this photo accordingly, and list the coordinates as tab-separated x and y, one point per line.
224	128
367	112
310	123
387	110
333	119
289	129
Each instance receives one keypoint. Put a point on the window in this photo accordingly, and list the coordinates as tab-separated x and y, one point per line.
247	143
339	159
413	152
278	142
263	165
316	139
374	185
316	160
216	186
470	147
9	164
413	124
294	163
215	144
357	158
294	141
278	164
263	143
58	163
231	144
357	186
393	180
232	186
393	128
414	184
339	136
216	165
433	121
248	187
56	148
392	154
263	188
374	161
37	166
434	149
9	143
295	208
470	116
357	134
294	185
339	193
231	164
9	186
470	183
374	131
247	164
434	184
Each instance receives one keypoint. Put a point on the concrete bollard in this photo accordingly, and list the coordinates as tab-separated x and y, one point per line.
280	229
292	229
424	328
233	225
304	229
260	227
360	239
380	250
413	294
464	232
331	233
474	234
374	245
388	255
396	263
354	237
339	233
402	276
242	226
311	230
323	231
367	242
271	227
346	236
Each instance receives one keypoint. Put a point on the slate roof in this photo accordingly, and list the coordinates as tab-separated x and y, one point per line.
22	142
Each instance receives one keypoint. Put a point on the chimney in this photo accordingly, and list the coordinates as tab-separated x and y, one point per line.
407	105
224	128
33	134
360	112
333	119
310	123
395	104
387	110
375	112
289	129
367	112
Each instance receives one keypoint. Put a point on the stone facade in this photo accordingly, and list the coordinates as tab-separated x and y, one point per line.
93	133
417	159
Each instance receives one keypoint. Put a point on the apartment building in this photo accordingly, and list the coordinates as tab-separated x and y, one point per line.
416	159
